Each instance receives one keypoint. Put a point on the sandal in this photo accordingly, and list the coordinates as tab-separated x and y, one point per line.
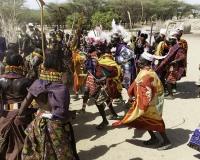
151	142
174	91
102	125
164	147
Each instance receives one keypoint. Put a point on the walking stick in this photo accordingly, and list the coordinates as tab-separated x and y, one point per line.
42	29
132	36
152	23
73	23
59	8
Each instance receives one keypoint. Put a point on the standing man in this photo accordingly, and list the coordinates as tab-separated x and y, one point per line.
24	41
146	94
172	67
30	30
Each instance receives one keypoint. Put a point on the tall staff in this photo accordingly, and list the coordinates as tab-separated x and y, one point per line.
42	29
152	23
131	27
73	23
59	8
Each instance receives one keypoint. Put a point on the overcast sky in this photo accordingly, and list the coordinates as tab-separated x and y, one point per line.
32	4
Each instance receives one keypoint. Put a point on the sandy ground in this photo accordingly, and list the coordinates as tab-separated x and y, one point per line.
181	117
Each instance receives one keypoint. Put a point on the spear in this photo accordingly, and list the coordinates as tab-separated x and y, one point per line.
42	29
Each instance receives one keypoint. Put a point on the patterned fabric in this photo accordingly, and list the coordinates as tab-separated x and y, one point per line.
124	55
176	52
195	140
90	85
178	69
12	134
107	67
146	110
128	68
184	45
47	139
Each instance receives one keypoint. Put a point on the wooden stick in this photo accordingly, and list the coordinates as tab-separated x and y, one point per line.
59	7
42	29
131	27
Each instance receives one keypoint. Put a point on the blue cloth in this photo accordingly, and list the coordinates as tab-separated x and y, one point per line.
195	139
125	54
2	47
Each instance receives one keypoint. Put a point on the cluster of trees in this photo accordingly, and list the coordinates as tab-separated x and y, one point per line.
98	12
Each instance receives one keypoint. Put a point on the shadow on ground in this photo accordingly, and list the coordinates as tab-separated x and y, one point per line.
186	90
96	152
197	156
177	136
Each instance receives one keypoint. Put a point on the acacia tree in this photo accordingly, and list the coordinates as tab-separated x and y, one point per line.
88	7
70	21
195	10
9	14
103	19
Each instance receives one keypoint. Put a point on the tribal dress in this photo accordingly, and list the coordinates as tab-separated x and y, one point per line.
174	72
47	139
146	110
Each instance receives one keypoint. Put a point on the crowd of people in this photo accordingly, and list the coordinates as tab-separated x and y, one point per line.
104	64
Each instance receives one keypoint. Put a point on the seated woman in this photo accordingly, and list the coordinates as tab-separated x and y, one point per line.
50	134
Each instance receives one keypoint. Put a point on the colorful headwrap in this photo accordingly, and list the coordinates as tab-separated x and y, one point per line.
98	37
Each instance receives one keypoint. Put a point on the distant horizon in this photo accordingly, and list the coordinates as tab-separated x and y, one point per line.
32	4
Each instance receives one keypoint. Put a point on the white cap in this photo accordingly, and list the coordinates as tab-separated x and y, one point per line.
163	31
31	25
172	33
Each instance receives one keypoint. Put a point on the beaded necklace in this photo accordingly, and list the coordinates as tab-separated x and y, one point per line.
13	72
50	74
38	55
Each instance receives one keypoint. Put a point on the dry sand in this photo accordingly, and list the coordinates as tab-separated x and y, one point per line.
181	117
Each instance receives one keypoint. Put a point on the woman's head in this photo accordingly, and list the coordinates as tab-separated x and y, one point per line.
14	59
53	61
